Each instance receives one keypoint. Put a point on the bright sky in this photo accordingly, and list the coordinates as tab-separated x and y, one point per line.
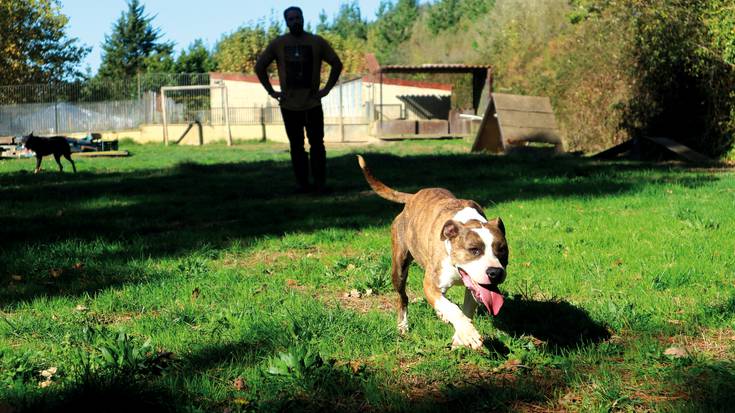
184	21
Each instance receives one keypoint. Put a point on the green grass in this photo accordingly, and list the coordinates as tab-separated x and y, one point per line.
191	279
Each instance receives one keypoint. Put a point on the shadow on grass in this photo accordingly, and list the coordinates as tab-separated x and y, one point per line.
708	388
100	395
173	212
561	325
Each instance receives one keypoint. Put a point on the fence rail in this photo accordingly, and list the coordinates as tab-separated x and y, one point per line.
123	104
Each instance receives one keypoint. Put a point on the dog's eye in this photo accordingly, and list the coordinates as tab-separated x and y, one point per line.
475	251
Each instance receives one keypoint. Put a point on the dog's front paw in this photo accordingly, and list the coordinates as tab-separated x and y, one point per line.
467	337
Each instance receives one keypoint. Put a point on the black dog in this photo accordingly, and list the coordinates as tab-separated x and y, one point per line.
56	145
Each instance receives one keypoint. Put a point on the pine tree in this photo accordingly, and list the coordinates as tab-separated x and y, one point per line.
196	59
393	25
133	44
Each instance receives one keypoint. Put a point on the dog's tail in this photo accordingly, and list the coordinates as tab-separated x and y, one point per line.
380	188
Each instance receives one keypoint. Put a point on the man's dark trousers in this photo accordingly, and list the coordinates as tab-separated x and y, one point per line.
312	120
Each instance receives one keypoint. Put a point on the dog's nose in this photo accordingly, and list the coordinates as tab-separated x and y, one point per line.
496	274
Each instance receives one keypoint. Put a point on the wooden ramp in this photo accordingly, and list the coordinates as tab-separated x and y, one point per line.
632	149
514	121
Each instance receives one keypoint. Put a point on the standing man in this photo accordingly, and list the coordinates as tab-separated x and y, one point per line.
299	57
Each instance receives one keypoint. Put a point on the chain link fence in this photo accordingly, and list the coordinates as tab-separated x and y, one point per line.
124	104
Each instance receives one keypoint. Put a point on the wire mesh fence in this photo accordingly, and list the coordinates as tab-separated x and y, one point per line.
125	104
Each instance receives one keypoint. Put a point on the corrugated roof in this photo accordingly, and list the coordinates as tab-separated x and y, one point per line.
435	68
428	106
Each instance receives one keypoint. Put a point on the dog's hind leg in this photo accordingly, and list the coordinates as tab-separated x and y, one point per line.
57	156
68	158
400	261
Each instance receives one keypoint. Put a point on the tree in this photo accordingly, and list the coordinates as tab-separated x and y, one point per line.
447	14
196	59
392	26
134	40
349	22
34	46
238	51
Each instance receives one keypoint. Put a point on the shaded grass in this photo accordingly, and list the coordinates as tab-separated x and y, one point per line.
206	252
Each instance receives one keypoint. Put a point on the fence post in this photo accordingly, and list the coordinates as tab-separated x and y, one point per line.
262	123
341	114
56	116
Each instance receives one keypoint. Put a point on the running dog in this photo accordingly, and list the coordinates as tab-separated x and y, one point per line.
455	244
55	145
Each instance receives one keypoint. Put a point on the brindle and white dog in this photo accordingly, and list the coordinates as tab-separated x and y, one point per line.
455	244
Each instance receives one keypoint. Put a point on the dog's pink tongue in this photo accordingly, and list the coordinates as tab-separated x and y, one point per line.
493	300
490	297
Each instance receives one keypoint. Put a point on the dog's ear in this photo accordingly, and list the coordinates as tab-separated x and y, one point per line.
450	230
499	223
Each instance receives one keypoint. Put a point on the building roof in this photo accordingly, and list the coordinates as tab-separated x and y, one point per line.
435	68
428	106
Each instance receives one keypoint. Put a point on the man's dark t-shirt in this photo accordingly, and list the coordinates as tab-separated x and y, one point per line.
299	61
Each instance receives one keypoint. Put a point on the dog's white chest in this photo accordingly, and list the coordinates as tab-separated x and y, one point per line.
448	276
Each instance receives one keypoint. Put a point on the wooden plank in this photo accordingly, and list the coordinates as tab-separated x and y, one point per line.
512	118
488	135
505	101
6	140
515	136
102	154
681	150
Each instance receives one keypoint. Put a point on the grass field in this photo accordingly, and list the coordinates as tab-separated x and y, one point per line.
192	279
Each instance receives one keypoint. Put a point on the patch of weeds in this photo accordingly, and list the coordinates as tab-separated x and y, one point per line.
373	274
695	220
298	362
104	352
19	368
665	281
302	377
193	266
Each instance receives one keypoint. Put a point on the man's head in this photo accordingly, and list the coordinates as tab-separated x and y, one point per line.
294	20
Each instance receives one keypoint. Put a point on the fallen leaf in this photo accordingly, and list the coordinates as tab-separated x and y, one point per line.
676	352
45	384
368	292
239	384
526	264
81	308
56	272
292	283
511	364
241	401
357	366
48	373
673	321
195	293
355	294
78	266
351	266
16	278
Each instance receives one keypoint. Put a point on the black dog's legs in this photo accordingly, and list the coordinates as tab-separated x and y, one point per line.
68	157
38	163
57	156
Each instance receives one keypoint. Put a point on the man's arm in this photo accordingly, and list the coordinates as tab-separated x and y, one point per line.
335	68
261	69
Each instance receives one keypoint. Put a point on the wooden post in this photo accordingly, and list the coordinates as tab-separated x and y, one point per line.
163	112
341	115
227	116
262	123
380	123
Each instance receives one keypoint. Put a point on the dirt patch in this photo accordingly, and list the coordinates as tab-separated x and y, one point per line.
715	343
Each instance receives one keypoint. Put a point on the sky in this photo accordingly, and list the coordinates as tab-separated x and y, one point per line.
183	21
